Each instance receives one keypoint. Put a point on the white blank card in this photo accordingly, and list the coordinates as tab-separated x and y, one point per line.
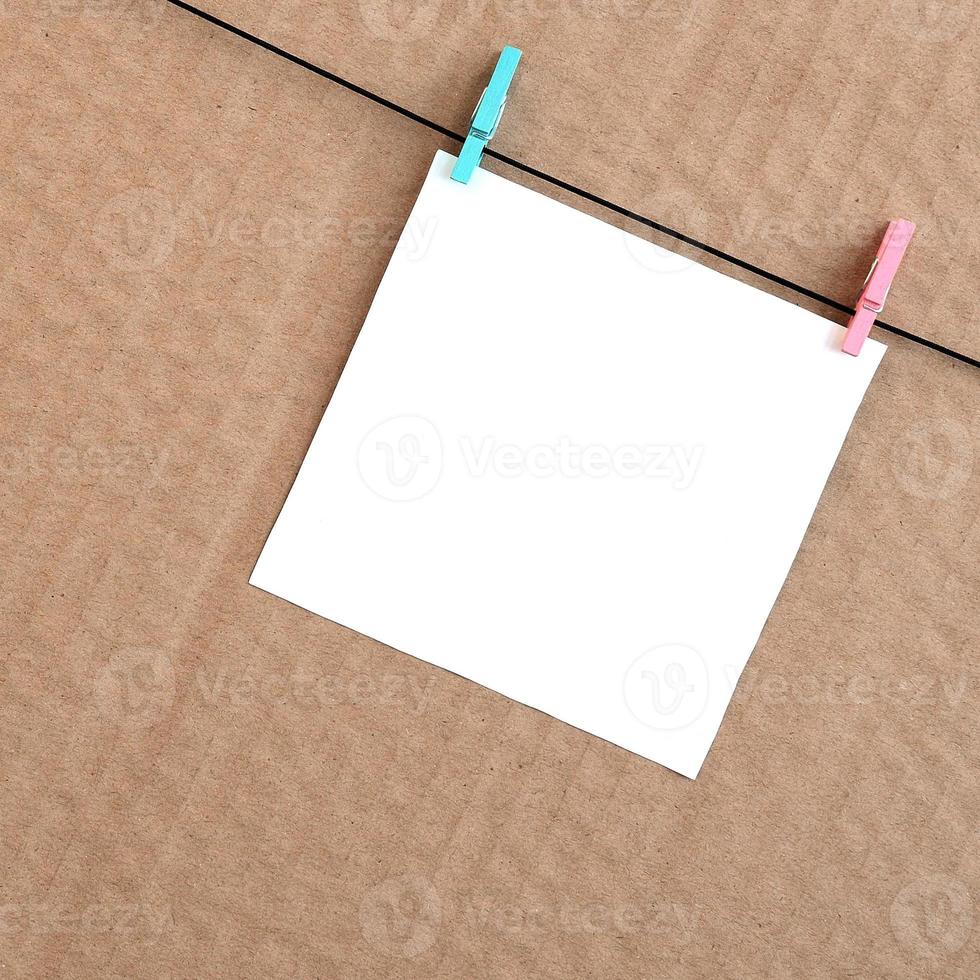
568	465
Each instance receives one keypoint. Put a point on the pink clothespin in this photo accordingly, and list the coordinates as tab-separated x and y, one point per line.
875	290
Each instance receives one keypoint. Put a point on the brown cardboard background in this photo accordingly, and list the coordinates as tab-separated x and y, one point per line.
172	807
786	134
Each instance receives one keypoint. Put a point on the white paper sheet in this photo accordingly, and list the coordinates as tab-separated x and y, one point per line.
568	465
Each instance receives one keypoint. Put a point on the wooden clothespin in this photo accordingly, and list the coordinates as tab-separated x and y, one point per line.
875	290
486	118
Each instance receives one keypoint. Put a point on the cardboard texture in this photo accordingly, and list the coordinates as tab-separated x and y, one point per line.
201	780
786	134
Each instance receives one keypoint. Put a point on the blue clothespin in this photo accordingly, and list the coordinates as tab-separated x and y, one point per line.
487	116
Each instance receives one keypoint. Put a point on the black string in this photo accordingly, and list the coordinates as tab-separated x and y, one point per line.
564	185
